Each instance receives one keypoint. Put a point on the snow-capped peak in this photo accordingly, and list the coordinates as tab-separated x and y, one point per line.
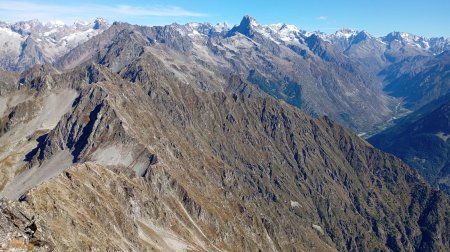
250	21
100	23
221	27
346	33
55	23
81	23
319	34
278	33
408	39
201	30
283	27
284	32
54	38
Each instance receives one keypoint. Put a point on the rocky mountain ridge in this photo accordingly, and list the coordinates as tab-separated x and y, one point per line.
355	59
281	32
57	35
151	139
299	74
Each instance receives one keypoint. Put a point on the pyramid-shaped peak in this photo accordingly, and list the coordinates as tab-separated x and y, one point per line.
100	23
363	34
248	21
246	27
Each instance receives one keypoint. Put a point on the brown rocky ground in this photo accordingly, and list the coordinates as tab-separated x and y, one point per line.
161	165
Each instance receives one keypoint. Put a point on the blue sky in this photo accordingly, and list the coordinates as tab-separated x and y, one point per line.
378	17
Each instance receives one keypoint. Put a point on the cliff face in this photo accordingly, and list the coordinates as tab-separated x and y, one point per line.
139	160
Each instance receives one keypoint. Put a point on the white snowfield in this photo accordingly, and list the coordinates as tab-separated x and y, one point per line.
10	42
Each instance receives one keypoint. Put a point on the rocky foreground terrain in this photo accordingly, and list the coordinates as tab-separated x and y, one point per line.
132	142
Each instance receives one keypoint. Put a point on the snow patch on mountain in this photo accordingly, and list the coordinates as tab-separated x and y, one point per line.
201	30
434	45
55	23
221	27
346	33
53	38
10	41
285	32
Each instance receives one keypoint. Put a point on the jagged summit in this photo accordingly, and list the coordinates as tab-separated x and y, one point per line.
33	23
360	36
399	36
246	27
278	33
346	33
248	20
223	26
54	23
100	23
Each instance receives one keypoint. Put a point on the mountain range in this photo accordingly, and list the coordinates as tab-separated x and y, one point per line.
336	75
210	138
24	44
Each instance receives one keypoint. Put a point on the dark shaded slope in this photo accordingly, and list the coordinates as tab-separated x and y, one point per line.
419	80
421	140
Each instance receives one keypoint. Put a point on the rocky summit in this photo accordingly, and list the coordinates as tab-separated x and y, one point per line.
207	138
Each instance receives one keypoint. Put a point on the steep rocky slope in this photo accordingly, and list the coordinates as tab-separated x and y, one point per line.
141	160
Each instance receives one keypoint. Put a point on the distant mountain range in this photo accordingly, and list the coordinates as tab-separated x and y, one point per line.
26	43
343	80
54	39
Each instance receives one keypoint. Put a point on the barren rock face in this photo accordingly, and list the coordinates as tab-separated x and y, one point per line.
140	149
20	231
